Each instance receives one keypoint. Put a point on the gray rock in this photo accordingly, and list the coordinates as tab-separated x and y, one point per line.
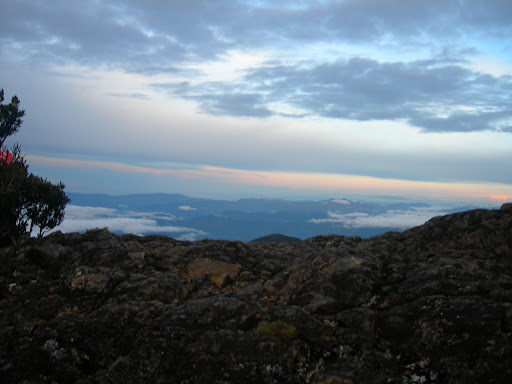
430	305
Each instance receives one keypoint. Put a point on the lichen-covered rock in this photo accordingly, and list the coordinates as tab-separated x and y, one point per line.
430	305
215	270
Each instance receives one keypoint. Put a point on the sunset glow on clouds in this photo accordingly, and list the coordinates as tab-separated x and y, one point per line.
327	183
317	98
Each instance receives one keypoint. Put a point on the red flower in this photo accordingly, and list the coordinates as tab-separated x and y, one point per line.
6	157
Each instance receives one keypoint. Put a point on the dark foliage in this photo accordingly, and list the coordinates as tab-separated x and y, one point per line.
26	200
10	117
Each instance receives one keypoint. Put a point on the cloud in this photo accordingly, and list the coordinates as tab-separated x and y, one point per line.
401	219
161	216
435	95
438	94
332	182
234	104
140	96
79	219
340	201
220	98
133	33
186	208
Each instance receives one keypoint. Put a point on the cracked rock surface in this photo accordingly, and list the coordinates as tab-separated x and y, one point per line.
430	305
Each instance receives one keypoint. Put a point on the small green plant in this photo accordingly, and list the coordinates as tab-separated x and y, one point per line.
278	330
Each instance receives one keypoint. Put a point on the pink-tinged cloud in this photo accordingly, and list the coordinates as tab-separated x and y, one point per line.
501	198
307	181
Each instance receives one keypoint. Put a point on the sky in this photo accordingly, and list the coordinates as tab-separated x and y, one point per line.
290	99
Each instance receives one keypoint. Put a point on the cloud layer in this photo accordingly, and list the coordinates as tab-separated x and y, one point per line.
401	219
434	95
325	182
437	93
79	219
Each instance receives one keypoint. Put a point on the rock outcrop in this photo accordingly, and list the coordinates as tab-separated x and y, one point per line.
430	305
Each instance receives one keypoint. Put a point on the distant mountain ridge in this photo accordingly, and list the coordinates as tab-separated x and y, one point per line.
189	218
276	238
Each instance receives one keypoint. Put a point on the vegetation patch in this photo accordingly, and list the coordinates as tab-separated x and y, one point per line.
278	330
27	202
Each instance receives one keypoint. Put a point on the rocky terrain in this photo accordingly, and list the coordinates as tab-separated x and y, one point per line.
430	305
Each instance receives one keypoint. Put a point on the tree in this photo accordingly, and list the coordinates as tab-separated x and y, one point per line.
13	176
26	200
45	203
10	117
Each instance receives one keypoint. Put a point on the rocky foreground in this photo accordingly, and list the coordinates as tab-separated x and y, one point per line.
430	305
